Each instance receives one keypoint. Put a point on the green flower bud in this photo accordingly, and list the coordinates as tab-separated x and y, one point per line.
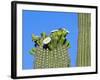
32	51
67	43
43	35
34	38
61	41
59	33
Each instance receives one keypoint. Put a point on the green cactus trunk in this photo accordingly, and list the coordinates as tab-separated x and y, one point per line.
84	40
56	58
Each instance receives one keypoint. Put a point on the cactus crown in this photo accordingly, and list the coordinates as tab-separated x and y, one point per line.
52	41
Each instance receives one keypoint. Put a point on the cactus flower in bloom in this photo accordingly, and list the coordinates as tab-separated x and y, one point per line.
46	40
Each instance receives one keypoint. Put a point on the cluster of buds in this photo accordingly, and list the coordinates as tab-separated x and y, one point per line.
52	41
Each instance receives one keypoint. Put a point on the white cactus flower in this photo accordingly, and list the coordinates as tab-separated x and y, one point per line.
46	40
54	31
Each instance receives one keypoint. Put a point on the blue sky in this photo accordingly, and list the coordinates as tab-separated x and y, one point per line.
45	21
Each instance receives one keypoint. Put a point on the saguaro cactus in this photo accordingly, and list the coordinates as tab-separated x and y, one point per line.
52	59
84	39
51	51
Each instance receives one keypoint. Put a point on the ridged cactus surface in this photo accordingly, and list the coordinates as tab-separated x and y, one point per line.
52	58
84	40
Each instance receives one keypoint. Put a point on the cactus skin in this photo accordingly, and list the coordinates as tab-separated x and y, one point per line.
84	45
56	58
